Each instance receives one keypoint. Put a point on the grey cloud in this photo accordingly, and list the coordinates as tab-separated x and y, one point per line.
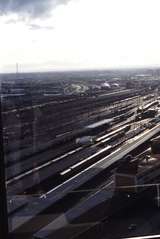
29	8
11	21
39	27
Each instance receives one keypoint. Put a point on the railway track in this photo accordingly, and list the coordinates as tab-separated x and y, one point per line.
50	168
76	198
63	167
20	150
75	158
81	173
20	135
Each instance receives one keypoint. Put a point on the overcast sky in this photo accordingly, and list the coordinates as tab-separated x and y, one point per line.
78	34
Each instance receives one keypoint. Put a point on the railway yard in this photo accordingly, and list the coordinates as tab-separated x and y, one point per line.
64	157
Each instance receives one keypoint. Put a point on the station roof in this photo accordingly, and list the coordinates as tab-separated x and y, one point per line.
149	105
99	123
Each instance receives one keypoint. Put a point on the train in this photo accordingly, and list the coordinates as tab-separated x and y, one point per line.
146	107
124	116
146	114
104	125
85	140
105	147
98	127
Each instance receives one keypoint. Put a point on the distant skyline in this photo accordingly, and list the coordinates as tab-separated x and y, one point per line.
46	35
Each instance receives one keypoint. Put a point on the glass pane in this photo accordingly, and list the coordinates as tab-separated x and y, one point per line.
79	163
80	130
3	198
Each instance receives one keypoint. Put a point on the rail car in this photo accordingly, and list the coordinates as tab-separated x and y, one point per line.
106	150
146	114
103	125
156	119
148	97
146	107
133	132
149	113
86	162
85	141
112	133
124	116
116	137
119	95
98	127
103	140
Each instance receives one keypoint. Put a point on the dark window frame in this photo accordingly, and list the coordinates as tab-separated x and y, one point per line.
4	233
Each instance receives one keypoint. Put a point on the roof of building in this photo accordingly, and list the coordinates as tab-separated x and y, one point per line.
99	123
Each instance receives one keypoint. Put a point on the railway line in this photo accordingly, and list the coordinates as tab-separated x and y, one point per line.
32	99
23	131
107	161
84	188
53	131
76	157
43	168
25	153
68	141
18	145
46	180
76	160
